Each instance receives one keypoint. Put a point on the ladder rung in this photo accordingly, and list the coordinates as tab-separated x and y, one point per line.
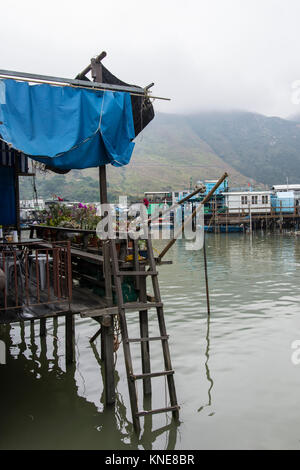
159	410
151	374
141	305
154	338
137	273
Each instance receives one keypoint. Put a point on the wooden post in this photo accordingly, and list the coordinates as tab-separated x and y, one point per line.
17	196
70	338
43	327
226	219
206	277
107	328
107	335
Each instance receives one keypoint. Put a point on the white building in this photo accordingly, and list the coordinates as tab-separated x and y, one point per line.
38	204
242	202
286	188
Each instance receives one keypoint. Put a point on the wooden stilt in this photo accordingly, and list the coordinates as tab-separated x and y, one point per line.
107	332
43	330
70	338
109	367
206	277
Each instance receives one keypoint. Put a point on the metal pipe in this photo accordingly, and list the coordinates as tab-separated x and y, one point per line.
34	78
67	81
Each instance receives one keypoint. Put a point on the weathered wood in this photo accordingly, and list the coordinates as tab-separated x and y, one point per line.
130	306
190	218
70	338
206	277
43	330
87	69
163	332
144	331
124	332
147	338
107	332
93	338
151	374
108	352
174	409
106	320
138	273
17	197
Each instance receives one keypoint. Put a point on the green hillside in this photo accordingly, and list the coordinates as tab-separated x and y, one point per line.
175	148
266	149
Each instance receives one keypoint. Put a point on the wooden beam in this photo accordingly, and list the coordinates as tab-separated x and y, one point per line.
107	331
190	218
87	69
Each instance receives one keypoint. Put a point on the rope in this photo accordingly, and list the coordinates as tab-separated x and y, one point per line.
117	333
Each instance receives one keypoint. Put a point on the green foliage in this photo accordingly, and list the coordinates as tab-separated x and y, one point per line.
266	149
80	216
80	189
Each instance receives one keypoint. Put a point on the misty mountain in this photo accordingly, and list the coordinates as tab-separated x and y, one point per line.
174	150
266	149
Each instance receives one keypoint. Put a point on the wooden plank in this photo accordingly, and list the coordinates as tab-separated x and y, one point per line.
147	338
159	410
131	306
152	374
137	273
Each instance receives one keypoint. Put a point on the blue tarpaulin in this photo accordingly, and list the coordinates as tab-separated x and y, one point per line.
65	127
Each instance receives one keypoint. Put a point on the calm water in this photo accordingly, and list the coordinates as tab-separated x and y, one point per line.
236	384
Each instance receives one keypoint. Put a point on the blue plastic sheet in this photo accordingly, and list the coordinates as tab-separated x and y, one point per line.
67	127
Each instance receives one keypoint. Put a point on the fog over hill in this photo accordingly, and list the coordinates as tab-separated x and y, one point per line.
175	148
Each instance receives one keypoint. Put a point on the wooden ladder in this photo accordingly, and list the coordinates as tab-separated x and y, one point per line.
143	306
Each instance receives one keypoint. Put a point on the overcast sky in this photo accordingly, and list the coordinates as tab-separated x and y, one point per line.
212	54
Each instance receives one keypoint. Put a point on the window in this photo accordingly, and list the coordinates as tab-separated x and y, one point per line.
254	199
265	199
244	200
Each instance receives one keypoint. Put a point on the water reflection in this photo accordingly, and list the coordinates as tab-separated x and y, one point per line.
207	371
238	361
48	412
149	436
